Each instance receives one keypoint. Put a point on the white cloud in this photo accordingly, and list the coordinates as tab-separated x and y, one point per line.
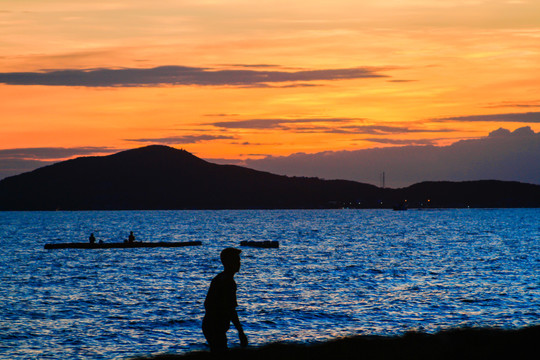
503	155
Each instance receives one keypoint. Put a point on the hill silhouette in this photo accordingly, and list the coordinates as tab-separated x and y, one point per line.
161	177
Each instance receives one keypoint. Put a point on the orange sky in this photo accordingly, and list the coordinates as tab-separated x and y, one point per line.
265	77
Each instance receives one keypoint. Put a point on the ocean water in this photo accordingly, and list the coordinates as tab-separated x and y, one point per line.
337	273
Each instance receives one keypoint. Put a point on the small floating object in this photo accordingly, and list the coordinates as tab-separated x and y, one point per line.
261	244
122	245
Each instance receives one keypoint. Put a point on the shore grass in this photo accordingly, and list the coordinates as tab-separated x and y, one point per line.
465	343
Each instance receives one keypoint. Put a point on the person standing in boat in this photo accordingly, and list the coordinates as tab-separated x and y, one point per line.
220	304
131	237
92	238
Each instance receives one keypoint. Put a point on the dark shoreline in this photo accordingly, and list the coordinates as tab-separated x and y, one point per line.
171	179
462	343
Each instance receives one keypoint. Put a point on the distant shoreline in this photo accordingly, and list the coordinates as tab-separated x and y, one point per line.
164	178
461	343
282	209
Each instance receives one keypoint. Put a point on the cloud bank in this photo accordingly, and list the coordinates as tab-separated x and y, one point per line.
187	139
180	75
528	117
284	124
51	152
503	155
322	125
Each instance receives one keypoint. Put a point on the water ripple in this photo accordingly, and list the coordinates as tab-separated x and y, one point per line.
336	273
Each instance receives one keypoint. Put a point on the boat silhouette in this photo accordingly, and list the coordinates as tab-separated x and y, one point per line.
121	245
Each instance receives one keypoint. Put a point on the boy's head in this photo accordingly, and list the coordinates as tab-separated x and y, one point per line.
230	258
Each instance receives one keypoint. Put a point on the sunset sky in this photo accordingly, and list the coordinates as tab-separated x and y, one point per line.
239	79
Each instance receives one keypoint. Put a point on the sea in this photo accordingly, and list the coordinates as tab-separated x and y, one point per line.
336	273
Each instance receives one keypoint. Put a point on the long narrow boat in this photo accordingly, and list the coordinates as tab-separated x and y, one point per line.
122	245
261	244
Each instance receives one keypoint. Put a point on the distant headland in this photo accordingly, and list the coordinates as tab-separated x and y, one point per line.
160	177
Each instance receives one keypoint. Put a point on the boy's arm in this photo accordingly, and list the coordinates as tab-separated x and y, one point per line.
238	326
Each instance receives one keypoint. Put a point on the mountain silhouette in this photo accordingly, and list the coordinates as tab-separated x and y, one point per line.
161	177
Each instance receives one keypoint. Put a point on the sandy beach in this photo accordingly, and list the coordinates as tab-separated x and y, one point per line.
468	343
